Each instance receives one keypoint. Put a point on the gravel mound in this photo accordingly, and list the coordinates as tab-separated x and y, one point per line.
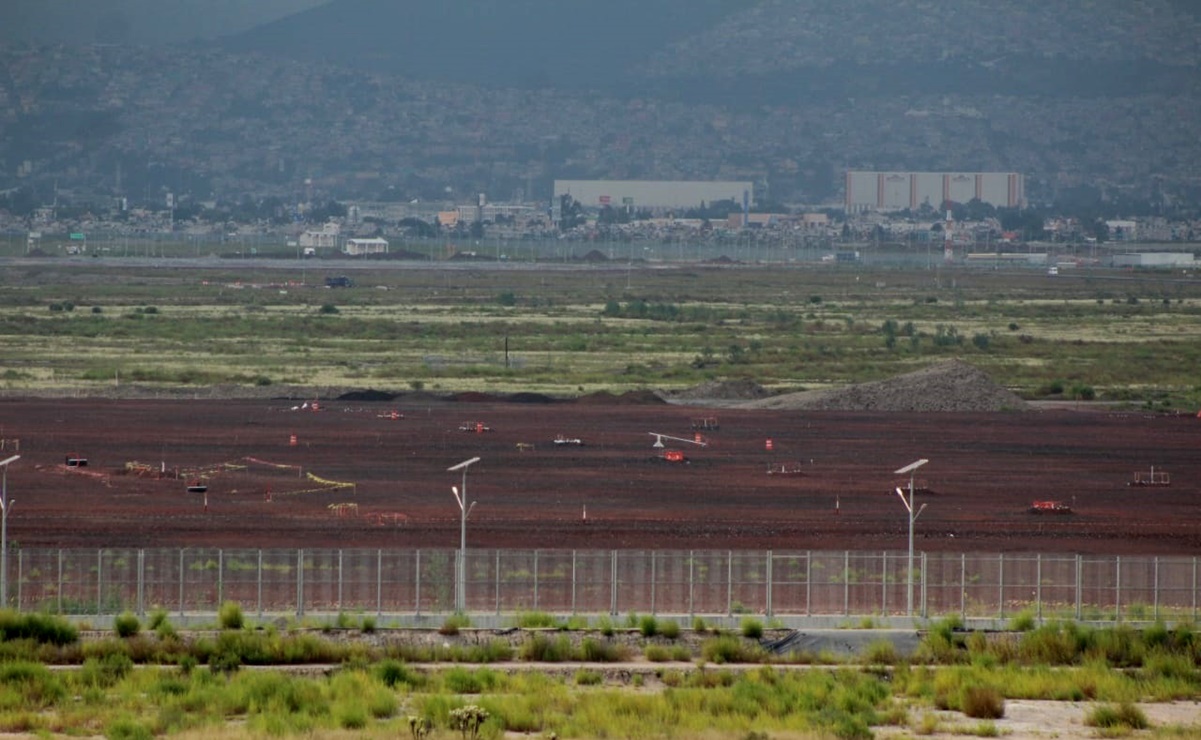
946	386
725	390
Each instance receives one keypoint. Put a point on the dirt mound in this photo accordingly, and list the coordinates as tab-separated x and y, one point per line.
946	386
594	256
629	398
527	397
473	397
726	390
367	395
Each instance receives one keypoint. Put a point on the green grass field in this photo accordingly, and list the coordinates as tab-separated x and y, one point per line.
1125	336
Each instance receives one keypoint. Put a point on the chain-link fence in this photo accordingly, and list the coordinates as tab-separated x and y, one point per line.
846	584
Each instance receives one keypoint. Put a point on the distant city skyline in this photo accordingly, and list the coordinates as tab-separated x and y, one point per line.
142	22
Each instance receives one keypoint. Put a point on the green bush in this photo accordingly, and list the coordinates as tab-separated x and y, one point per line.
657	654
543	649
453	624
670	629
535	620
752	628
648	626
982	702
127	625
393	673
1122	716
44	628
730	649
230	616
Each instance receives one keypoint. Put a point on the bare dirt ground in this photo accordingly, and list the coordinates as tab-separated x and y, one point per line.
985	470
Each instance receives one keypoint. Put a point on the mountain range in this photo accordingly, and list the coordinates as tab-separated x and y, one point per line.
411	97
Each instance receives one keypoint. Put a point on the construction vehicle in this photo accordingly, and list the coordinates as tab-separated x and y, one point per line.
475	427
562	441
1050	507
339	281
706	424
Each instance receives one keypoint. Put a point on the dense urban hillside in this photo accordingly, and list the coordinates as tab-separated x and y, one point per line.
369	99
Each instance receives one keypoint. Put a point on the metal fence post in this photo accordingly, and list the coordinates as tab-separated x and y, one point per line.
220	578
340	572
1038	588
99	582
573	606
613	582
300	583
20	576
925	603
1117	591
1001	586
60	579
769	583
846	583
654	559
1194	588
417	582
496	582
691	581
884	582
1080	588
379	582
729	583
963	586
182	578
1155	591
259	583
141	583
808	582
535	580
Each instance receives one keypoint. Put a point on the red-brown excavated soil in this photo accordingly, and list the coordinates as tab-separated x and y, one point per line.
985	470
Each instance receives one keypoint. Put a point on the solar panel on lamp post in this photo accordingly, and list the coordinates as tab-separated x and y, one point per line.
911	468
465	510
5	505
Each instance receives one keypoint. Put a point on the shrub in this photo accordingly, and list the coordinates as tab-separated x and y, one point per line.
535	620
1022	622
670	629
37	627
230	616
728	649
597	651
545	649
657	654
982	702
699	626
393	673
588	678
328	309
453	624
1125	715
752	628
648	626
127	625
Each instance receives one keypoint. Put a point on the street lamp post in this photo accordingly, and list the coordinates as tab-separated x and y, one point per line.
911	468
465	511
5	505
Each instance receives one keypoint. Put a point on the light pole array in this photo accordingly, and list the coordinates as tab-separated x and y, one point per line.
5	505
911	468
465	511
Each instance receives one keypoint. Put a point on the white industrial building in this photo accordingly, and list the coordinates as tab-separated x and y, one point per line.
1155	259
365	246
653	195
895	191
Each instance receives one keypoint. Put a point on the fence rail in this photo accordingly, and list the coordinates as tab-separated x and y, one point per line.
403	583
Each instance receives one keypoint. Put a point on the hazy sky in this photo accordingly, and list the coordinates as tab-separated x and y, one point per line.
137	21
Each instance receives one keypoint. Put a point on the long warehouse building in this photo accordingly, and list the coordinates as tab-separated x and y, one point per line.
654	195
895	191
